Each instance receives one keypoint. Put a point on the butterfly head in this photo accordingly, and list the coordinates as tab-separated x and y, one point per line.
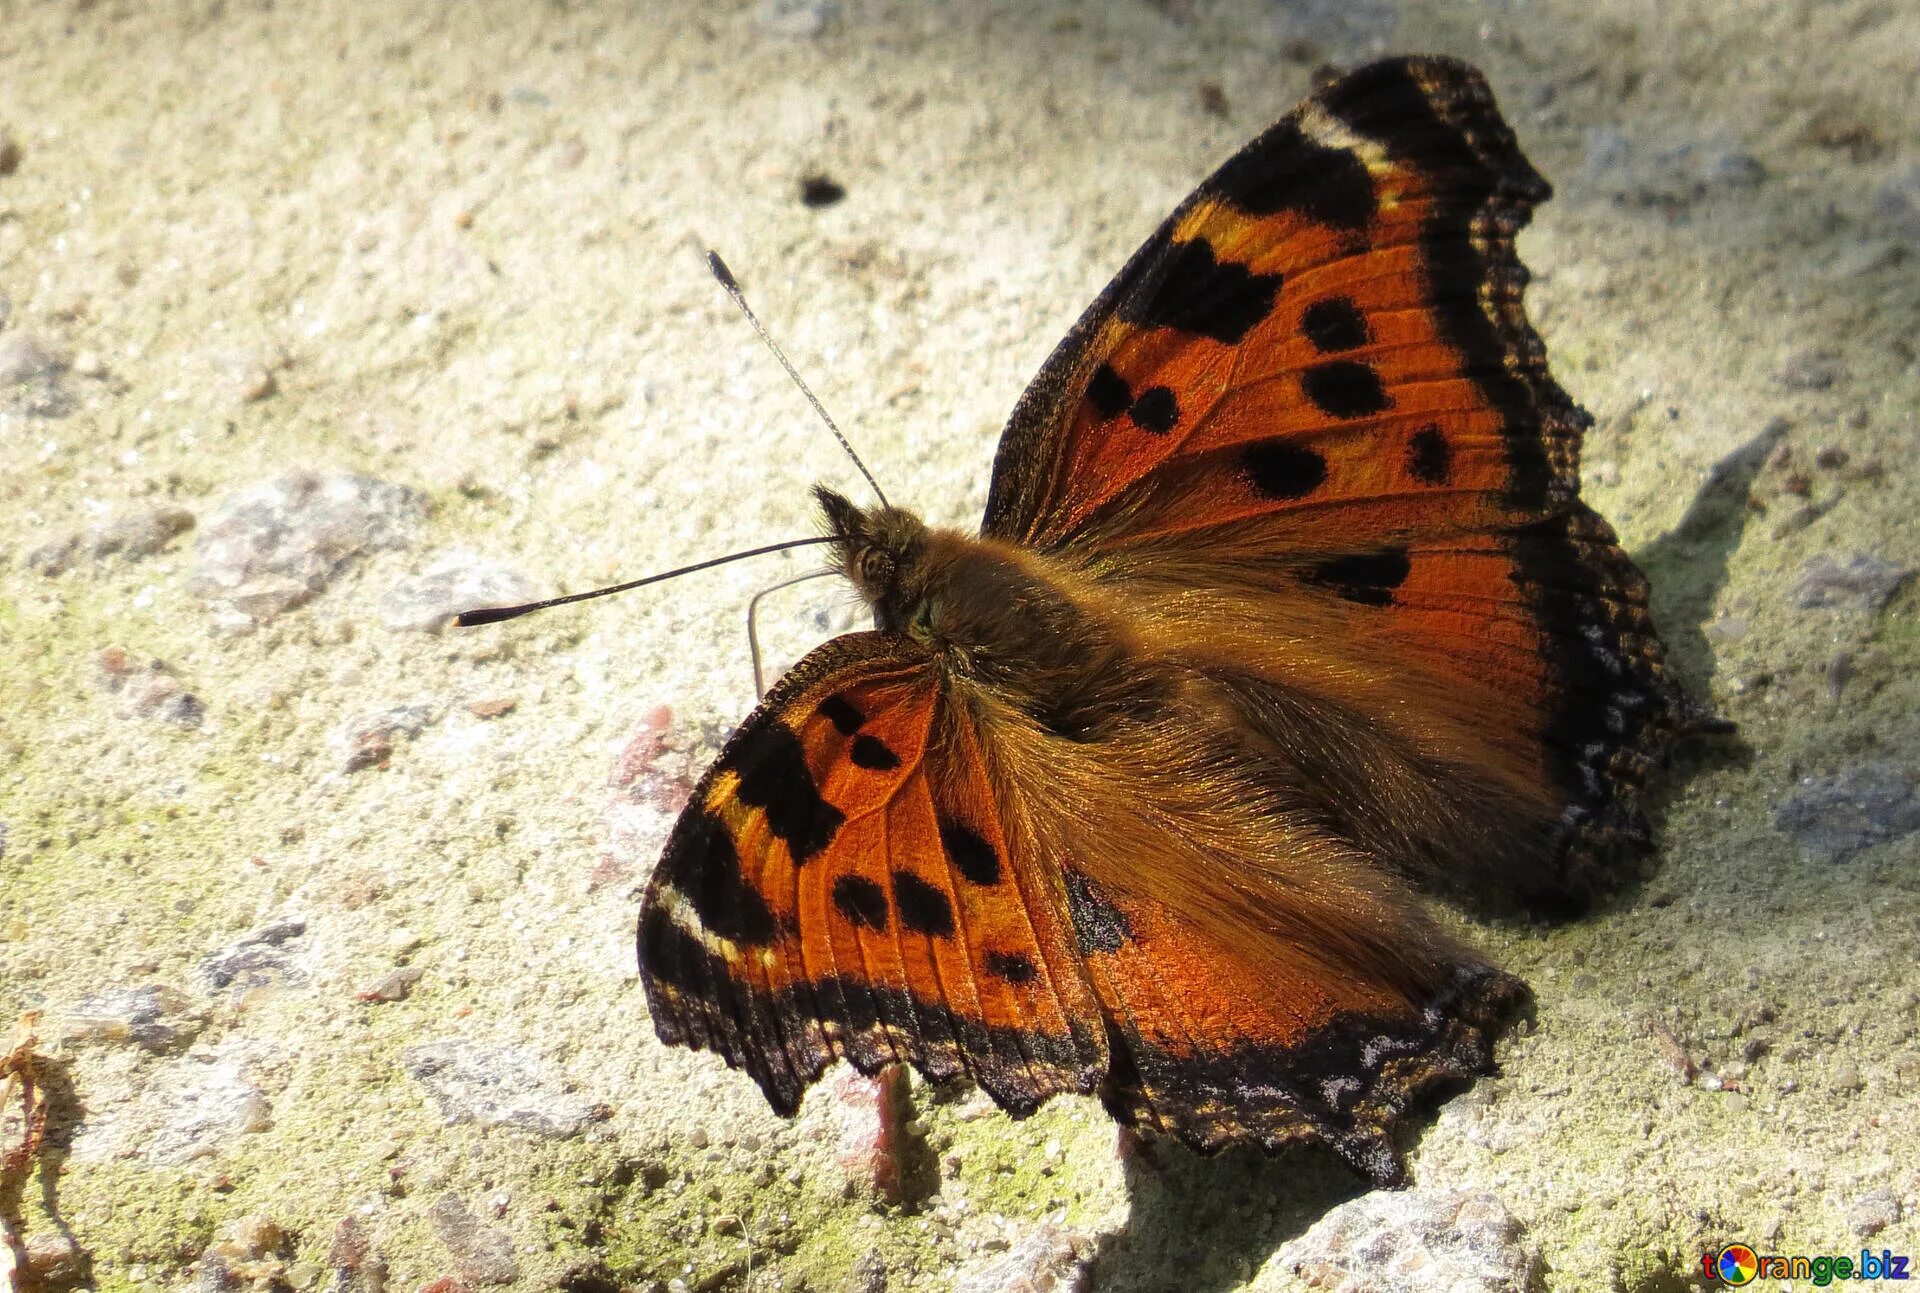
883	552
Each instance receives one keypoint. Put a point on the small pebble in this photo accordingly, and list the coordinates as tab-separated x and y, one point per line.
369	740
482	1254
397	985
796	19
497	1087
1810	370
246	1254
356	1267
274	545
257	959
155	1018
1862	582
1873	1212
258	384
427	602
1836	817
56	1260
1419	1237
148	690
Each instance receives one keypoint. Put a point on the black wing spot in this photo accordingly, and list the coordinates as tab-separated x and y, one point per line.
1098	925
871	752
861	901
1108	391
1281	470
774	777
1011	966
1283	170
923	908
1334	324
1156	410
1365	577
843	714
706	871
1429	456
1199	294
821	191
970	854
1345	388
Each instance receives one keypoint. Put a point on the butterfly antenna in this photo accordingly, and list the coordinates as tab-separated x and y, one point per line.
732	287
494	614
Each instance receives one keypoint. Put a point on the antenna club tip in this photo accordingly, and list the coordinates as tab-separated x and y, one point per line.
721	272
485	615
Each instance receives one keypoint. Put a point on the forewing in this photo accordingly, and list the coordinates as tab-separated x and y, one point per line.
1330	323
840	885
1314	397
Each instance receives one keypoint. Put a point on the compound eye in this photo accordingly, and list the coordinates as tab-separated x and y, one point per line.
876	566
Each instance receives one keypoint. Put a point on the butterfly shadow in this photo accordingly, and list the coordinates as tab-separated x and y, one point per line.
1211	1223
1688	564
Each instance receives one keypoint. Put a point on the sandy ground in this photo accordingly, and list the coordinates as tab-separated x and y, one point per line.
330	920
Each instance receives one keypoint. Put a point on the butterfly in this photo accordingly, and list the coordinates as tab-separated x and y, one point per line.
1284	607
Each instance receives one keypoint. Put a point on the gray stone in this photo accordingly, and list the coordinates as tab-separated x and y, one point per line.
369	739
483	1255
1810	369
155	1017
356	1265
131	537
1045	1259
1873	1212
208	1103
797	19
427	602
496	1087
260	957
1415	1240
1863	582
275	545
1833	818
150	690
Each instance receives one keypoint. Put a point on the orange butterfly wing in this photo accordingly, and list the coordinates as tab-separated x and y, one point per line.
1315	393
889	864
1216	1044
840	885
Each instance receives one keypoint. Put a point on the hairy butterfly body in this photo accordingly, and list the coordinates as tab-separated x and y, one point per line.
1284	598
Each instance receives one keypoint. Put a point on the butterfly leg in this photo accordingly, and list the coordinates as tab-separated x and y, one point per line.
881	1143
